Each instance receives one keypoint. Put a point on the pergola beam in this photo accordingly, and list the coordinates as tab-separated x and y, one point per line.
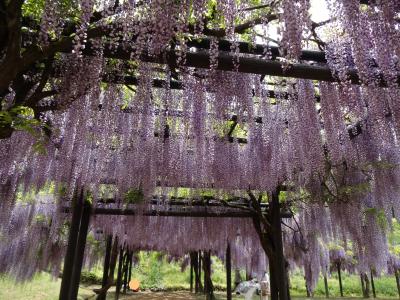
169	211
250	65
179	202
204	213
255	49
178	85
226	62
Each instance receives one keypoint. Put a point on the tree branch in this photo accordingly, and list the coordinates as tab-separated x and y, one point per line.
257	208
13	15
13	19
256	7
39	94
290	227
241	28
3	26
227	204
271	4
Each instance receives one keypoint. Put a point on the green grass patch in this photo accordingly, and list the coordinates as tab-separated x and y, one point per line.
155	273
42	287
385	286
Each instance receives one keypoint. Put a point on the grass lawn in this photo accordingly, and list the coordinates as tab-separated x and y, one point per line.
43	287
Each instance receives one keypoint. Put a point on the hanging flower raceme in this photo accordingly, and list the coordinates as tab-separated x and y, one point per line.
295	18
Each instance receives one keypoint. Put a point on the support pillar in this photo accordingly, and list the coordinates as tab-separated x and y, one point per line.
80	250
326	286
228	273
281	271
197	271
373	284
106	266
307	291
200	286
125	271
340	278
205	281
191	272
119	273
362	285
130	267
71	247
396	273
238	278
365	284
194	258
208	286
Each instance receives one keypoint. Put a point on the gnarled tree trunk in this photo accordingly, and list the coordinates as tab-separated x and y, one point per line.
269	229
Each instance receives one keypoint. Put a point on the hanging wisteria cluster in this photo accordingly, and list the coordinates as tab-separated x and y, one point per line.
334	142
100	143
178	236
370	43
180	138
33	240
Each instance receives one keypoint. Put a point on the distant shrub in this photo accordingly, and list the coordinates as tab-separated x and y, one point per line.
90	278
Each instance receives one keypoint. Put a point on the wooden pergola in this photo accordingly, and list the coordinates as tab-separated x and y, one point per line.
82	211
251	59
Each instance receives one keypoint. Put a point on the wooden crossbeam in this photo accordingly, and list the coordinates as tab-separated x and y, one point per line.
256	49
181	201
174	211
251	65
201	59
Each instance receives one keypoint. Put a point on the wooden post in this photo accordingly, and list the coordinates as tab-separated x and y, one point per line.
191	272
130	267
228	273
80	250
119	273
366	284
373	284
125	271
396	273
238	278
106	266
200	286
71	248
281	271
362	285
197	272
205	282
208	286
195	276
326	286
340	279
195	261
307	290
